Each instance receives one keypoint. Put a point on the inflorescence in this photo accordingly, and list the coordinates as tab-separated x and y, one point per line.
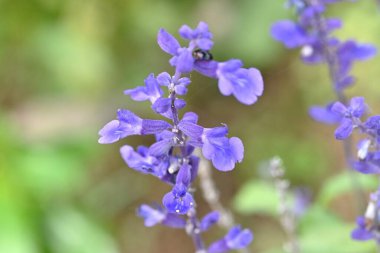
171	158
313	34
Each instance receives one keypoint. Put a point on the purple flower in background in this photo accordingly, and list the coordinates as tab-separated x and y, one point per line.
361	233
235	239
373	126
350	114
209	220
302	201
312	33
324	114
347	116
290	34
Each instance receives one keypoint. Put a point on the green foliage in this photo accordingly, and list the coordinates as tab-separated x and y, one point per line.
324	232
344	183
257	197
70	231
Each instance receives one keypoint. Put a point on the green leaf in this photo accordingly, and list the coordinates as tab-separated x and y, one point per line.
257	197
344	183
332	237
70	231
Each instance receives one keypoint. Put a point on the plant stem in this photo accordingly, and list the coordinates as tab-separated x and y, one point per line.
211	195
287	216
333	68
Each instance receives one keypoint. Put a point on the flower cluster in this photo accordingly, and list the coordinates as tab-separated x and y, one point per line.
170	158
313	34
349	118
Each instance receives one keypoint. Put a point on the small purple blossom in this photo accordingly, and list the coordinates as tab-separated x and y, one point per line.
362	232
209	220
236	238
179	86
156	216
223	152
350	115
245	84
141	161
129	124
178	200
199	37
324	114
151	91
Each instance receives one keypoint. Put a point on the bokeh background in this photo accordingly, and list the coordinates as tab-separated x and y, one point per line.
63	67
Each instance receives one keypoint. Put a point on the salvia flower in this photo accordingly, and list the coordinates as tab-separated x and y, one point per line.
350	114
312	33
151	91
245	84
236	238
129	124
171	157
209	220
153	216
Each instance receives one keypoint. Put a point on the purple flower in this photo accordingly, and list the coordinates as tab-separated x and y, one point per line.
362	232
179	86
373	124
163	106
324	114
165	141
245	84
154	216
151	91
355	110
129	124
209	220
200	37
223	152
344	130
369	165
290	34
312	32
182	57
235	239
178	200
142	162
302	201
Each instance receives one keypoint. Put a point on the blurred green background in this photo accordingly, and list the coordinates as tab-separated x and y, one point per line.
63	68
